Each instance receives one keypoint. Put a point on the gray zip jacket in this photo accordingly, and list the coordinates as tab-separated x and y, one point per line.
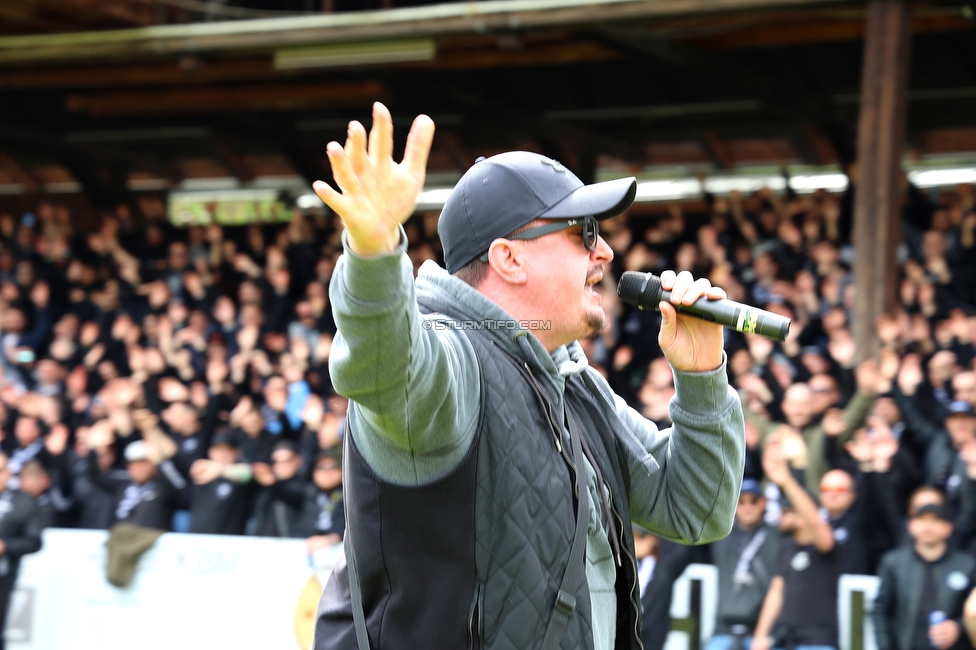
414	386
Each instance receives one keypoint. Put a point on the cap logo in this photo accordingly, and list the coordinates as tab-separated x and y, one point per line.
555	164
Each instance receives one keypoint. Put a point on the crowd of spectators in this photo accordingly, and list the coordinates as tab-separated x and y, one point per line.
177	378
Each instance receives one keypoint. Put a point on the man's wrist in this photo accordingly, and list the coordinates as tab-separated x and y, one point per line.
702	392
377	278
383	244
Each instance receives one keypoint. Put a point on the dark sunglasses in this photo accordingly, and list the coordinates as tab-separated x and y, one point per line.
591	232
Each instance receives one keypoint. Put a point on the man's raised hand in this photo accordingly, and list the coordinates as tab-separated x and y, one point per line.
377	194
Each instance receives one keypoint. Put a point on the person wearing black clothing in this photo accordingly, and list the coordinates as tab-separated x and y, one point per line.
35	481
257	442
802	597
278	510
96	507
844	503
223	492
148	496
941	444
20	534
25	445
746	561
919	580
864	508
323	512
191	435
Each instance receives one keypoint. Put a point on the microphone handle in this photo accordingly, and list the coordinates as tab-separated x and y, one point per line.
734	315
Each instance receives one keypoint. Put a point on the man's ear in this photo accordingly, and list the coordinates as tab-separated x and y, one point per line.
504	257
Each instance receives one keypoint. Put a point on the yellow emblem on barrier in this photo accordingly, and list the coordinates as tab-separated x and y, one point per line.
308	603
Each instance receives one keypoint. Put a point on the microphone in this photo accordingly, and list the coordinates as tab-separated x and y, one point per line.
644	289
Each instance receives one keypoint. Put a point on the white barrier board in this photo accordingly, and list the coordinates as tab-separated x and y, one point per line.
190	591
208	591
681	605
868	585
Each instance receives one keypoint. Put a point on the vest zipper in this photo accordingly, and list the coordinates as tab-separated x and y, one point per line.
634	588
476	619
556	430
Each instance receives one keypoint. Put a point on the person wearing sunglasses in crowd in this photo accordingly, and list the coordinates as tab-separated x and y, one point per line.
800	608
491	476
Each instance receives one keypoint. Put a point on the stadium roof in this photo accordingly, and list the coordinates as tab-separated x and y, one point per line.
128	96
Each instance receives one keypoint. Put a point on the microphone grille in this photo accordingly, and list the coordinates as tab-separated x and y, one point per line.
637	288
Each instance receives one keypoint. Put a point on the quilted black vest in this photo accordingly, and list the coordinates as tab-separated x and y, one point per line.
475	559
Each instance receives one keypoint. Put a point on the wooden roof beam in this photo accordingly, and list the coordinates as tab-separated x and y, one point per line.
217	100
113	76
717	151
18	173
124	12
413	22
240	169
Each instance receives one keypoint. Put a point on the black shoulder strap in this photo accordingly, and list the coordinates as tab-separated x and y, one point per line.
565	604
355	589
356	594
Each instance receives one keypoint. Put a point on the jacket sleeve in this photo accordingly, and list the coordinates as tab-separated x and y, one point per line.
291	492
881	518
416	389
817	447
920	427
684	481
172	479
965	523
29	540
855	415
884	605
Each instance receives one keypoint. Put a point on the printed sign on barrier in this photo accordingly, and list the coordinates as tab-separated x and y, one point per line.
190	591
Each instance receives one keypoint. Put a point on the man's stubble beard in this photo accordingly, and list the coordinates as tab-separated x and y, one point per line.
595	323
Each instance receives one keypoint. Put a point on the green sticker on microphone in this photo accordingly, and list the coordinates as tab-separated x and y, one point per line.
748	321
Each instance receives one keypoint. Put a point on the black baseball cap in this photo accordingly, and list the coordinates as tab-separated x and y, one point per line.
933	509
226	437
500	194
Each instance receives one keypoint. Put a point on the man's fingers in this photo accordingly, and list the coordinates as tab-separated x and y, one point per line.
698	289
333	199
716	293
682	283
667	280
342	169
356	147
381	135
419	141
